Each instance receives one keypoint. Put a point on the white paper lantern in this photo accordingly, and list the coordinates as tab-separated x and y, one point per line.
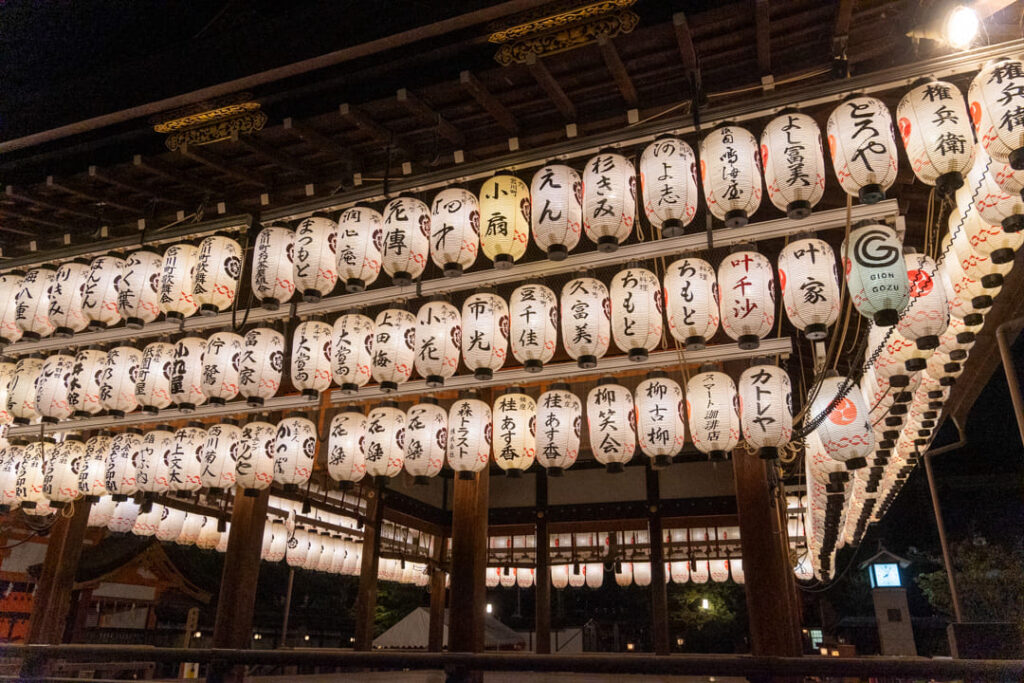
514	430
315	258
863	149
766	408
943	368
316	551
191	529
209	535
810	286
963	303
993	203
747	287
612	424
958	339
609	199
220	456
101	513
636	301
927	314
936	131
586	320
668	180
559	420
10	285
84	382
385	440
169	522
876	274
51	398
311	357
121	472
185	459
987	239
975	265
718	570
254	468
138	292
187	373
438	341
352	351
995	100
177	280
1006	177
559	576
556	193
294	451
469	437
659	418
594	575
454	230
406	239
794	165
492	578
691	301
60	478
221	362
360	237
507	577
273	270
153	378
218	269
124	517
524	577
66	294
261	365
117	388
730	172
21	390
92	467
32	303
31	471
899	356
100	292
346	461
426	439
624	574
485	330
6	375
533	311
712	409
846	431
504	219
394	347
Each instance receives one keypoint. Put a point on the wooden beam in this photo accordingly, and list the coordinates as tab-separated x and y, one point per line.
762	26
321	142
366	598
48	203
617	69
276	157
93	198
542	577
237	598
659	591
489	102
435	635
550	86
687	52
468	592
168	172
420	109
138	188
841	29
26	217
213	161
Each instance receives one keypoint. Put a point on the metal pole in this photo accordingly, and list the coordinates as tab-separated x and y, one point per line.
287	607
939	524
1011	372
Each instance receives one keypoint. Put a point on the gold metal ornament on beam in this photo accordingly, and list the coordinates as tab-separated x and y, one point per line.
210	121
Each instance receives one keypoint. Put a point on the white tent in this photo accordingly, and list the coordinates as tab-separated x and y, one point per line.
411	633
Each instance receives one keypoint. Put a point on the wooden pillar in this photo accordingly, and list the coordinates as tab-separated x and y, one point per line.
542	579
468	593
435	636
236	600
659	591
774	625
366	598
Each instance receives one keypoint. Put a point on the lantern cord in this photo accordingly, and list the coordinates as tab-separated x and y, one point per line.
235	325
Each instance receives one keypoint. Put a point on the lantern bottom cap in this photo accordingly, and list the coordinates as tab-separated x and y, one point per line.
434	381
311	296
402	278
183	494
118	497
981	301
254	401
948	183
695	343
816	331
903	397
420	480
587	362
887	317
63	332
207	310
1004	255
381	479
915	364
768	452
57	504
346	485
483	374
799	209
150	410
638	355
308	393
503	261
614	468
856	463
557	252
957	354
672	227
736	218
389	386
452	269
134	323
28	504
216	401
186	407
174	315
871	194
270	304
992	280
1016	158
250	493
533	365
1014	223
291	487
555	471
21	421
349	387
116	413
96	326
748	342
928	342
607	244
354	284
50	420
967	337
514	473
31	336
899	381
661	461
719	455
466	475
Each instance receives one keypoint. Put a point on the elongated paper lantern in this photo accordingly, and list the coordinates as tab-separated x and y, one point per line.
747	287
469	437
995	100
612	424
209	536
691	301
153	378
311	357
559	576
220	456
987	239
360	237
185	459
187	373
958	339
965	304
91	481
191	529
60	478
6	374
485	330
138	293
315	256
712	409
84	382
32	303
261	365
254	468
101	512
863	149
936	132
876	272
974	264
10	285
730	172
123	519
66	294
406	239
609	199
352	351
624	574
153	471
899	356
121	472
846	431
273	269
147	523
927	314
794	165
99	295
454	230
636	312
943	368
31	471
668	180
177	280
346	460
810	286
659	418
586	320
52	388
992	202
218	269
533	311
766	408
21	390
394	347
556	198
171	523
594	575
438	341
514	430
294	450
426	439
559	419
385	440
504	219
117	388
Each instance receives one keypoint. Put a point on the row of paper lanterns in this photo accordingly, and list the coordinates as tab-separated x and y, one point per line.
627	573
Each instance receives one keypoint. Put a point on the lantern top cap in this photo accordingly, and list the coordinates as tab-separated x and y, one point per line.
924	80
609	150
511	390
81	260
504	172
469	393
352	409
430	400
708	367
657	374
387	404
743	246
604	381
163	428
761	360
321	213
559	386
230	421
195	424
665	136
133	430
790	110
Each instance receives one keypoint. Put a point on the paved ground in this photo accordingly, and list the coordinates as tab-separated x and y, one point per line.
499	677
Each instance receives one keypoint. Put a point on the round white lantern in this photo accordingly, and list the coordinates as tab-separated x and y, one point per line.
21	390
712	409
218	269
352	351
153	379
187	373
846	430
360	237
533	311
177	280
273	270
426	439
220	456
586	320
624	574
766	408
994	97
294	451
993	202
668	180
185	459
944	369
124	517
10	285
876	273
346	461
927	314
311	357
138	293
636	312
612	424
594	575
609	199
394	347
101	513
221	362
6	375
84	382
963	303
469	437
936	132
556	193
794	165
31	471
810	286
659	418
863	149
92	466
66	294
117	388
261	365
987	239
32	303
691	302
385	440
559	419
169	522
504	219
406	239
559	576
454	230
514	430
209	535
730	172
191	529
747	286
60	478
254	468
120	476
52	388
438	341
485	330
315	258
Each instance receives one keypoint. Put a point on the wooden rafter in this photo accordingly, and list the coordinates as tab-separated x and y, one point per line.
489	102
107	177
763	28
221	166
841	29
276	157
15	231
363	122
687	52
91	197
48	203
323	143
420	109
617	69
168	172
550	86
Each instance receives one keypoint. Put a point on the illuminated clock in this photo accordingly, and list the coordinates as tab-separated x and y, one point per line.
886	575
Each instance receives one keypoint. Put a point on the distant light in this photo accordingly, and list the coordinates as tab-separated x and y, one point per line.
824	651
680	641
961	27
352	639
257	636
835	653
197	634
490	608
306	637
704	604
630	646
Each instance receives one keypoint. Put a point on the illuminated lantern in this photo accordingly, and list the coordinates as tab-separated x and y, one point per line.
469	436
578	575
315	259
426	439
514	430
659	418
120	474
438	340
987	239
993	203
586	320
294	450
624	574
668	180
153	379
730	172
860	139
944	369
936	132
21	390
454	230
187	373
99	293
273	270
218	268
507	578
6	375
846	431
394	347
261	365
699	571
958	339
719	570
406	239
185	459
927	314
152	473
317	548
713	412
31	474
138	292
360	236
810	286
51	398
220	455
559	574
191	529
504	219
876	274
209	536
994	99
559	419
84	382
385	440
66	294
485	329
747	287
10	459
117	388
177	280
170	522
691	302
311	357
92	466
975	265
272	534
794	165
101	513
254	468
612	424
636	312
493	577
123	519
352	351
766	403
346	461
964	303
557	209
10	285
221	362
642	573
32	303
60	478
594	574
609	199
1008	179
524	577
533	311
